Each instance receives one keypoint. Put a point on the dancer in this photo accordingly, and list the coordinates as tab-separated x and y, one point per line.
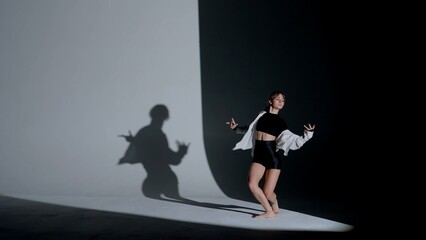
270	141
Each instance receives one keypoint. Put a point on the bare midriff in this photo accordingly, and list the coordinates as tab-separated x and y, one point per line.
262	136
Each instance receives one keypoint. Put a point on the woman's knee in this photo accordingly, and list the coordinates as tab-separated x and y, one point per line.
253	185
270	195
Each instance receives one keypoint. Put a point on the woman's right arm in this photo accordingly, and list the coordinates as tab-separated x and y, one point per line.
234	126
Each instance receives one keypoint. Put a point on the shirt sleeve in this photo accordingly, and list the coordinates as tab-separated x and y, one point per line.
248	139
241	130
290	141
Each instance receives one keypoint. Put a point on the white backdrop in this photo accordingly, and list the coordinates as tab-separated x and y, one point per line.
76	74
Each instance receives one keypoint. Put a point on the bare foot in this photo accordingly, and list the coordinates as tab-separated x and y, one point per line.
275	207
265	215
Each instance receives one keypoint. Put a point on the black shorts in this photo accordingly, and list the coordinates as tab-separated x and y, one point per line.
265	153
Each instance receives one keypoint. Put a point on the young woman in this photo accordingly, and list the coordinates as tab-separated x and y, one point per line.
270	140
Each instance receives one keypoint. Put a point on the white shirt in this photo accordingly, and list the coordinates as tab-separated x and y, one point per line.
286	140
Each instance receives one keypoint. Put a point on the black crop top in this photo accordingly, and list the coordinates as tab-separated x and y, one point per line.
271	123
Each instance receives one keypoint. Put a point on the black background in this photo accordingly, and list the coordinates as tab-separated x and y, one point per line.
322	56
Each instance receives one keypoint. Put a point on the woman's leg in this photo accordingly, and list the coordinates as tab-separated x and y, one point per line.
271	179
255	175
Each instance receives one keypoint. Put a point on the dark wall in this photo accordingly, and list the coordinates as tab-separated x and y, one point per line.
311	50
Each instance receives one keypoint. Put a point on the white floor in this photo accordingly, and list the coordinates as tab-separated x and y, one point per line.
219	211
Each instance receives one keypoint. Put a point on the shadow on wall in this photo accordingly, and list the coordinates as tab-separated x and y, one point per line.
150	148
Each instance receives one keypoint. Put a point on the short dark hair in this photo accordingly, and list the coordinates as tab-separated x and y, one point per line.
274	94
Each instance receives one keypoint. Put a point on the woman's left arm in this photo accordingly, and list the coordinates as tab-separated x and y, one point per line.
288	140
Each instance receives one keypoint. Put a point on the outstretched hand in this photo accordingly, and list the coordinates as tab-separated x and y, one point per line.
232	124
309	127
128	138
182	147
